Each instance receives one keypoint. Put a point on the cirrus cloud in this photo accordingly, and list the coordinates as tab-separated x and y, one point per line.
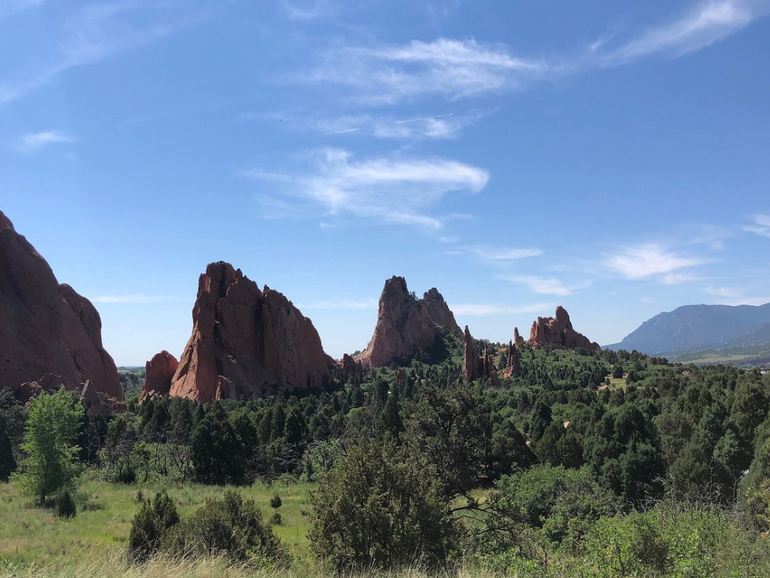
399	190
651	260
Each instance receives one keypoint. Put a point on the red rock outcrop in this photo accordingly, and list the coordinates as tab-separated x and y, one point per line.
558	331
158	373
247	342
475	366
518	340
46	329
349	367
514	359
407	326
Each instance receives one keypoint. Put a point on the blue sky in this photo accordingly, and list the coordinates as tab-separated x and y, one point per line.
608	156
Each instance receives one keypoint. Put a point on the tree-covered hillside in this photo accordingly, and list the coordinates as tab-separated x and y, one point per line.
590	463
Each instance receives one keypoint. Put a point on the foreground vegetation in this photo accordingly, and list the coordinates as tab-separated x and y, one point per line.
591	464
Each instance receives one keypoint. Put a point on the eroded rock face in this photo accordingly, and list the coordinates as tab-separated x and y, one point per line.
349	367
158	373
247	342
47	329
406	325
475	365
558	331
472	365
514	359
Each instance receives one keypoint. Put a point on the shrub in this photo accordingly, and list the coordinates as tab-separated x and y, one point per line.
276	519
670	541
232	527
275	501
126	475
381	508
150	525
65	505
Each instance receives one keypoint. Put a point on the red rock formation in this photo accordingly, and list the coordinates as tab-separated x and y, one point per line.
406	326
471	368
246	342
518	340
475	366
46	328
514	360
349	367
158	373
558	331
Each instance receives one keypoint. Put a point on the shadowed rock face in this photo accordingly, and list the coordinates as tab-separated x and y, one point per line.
158	373
48	332
247	342
406	325
475	365
558	331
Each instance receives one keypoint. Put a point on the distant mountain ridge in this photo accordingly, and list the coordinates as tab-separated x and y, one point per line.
700	327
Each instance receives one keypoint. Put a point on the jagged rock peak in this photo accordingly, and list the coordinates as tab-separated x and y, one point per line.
47	329
558	331
406	325
247	342
5	222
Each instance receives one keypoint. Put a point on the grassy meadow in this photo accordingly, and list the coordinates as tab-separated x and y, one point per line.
34	540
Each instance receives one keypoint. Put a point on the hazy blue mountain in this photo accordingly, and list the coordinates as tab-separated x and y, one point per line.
700	327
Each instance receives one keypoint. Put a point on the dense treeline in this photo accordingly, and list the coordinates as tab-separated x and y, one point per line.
581	453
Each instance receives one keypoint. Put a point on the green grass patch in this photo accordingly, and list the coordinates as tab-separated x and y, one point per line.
32	536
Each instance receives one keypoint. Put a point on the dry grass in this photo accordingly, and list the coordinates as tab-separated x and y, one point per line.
115	564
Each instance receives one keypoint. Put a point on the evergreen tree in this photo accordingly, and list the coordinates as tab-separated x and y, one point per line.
391	417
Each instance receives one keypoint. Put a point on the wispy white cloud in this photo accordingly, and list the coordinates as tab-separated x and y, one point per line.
735	296
464	68
444	67
759	225
487	309
504	254
309	9
401	190
650	260
97	32
426	127
34	141
702	25
542	285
